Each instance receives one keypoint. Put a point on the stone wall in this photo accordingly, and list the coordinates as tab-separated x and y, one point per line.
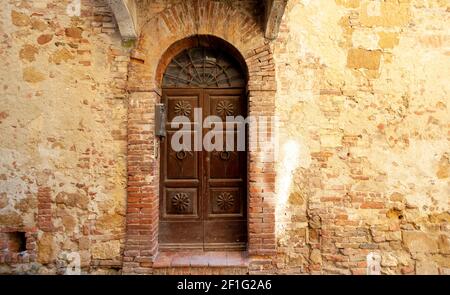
362	163
63	136
363	97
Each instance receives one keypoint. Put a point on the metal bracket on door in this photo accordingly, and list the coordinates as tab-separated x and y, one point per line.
160	125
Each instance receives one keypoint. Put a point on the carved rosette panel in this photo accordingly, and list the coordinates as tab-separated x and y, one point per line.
182	108
225	201
225	108
181	202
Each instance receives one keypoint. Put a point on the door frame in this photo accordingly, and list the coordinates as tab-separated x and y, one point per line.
148	63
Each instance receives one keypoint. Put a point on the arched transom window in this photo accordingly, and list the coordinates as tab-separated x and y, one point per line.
202	67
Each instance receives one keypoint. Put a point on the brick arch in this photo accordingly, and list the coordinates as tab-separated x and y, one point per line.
191	22
196	18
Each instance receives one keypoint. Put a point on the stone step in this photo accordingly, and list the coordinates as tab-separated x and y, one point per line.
201	262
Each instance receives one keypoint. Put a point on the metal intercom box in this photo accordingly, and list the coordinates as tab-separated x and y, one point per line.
160	120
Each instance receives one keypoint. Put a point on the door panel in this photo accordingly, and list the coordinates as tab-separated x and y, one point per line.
181	189
226	164
225	218
181	164
233	236
203	194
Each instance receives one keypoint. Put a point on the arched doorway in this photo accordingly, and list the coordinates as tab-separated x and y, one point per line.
203	192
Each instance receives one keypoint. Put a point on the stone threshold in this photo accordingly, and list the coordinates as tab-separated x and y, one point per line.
235	259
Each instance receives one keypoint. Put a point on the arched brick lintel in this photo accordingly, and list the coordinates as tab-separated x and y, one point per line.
163	36
201	18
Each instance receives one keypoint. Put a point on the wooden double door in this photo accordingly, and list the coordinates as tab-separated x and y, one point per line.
203	193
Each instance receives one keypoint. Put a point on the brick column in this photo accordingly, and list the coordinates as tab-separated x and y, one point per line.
261	179
44	209
261	173
143	185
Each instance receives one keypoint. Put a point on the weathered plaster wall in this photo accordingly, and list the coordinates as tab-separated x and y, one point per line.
363	89
63	135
